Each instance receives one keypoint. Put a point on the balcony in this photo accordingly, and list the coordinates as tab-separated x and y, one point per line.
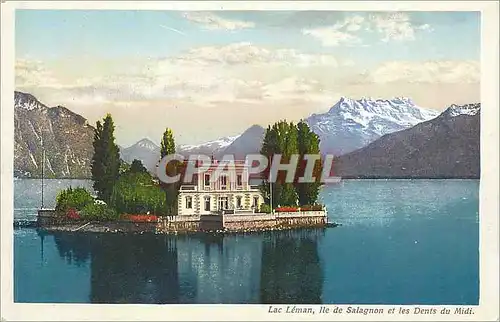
188	188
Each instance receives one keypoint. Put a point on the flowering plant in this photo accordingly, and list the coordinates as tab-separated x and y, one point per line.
140	218
71	213
287	209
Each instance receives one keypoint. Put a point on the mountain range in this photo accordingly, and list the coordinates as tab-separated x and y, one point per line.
66	136
351	129
447	146
352	124
239	146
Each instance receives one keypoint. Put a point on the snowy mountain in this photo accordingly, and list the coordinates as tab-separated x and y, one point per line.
144	150
468	109
351	124
213	147
27	102
149	153
67	140
447	146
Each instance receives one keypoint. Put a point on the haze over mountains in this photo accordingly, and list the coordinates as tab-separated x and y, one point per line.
359	130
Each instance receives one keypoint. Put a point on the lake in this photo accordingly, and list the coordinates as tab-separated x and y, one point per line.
400	242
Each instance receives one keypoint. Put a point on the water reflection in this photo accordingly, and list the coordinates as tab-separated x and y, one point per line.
277	267
291	271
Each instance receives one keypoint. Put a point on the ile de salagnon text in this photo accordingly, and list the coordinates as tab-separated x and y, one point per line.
294	309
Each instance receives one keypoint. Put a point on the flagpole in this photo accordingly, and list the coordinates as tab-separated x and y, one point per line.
270	192
43	167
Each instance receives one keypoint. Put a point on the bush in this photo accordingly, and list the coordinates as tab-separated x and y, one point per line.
76	198
137	194
265	208
99	212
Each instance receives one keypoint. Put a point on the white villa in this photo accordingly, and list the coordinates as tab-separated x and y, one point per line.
230	193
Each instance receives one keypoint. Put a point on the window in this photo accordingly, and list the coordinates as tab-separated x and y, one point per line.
223	203
239	180
207	179
189	202
207	203
255	201
238	202
223	182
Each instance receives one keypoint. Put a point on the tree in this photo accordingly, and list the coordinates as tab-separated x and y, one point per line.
105	165
281	138
136	193
137	167
171	189
308	143
167	143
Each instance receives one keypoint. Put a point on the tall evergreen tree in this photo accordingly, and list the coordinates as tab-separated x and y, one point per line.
167	143
106	160
308	143
171	189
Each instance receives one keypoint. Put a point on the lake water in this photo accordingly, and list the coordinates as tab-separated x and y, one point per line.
401	242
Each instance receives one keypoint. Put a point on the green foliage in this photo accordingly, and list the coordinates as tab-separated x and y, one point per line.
137	167
136	193
288	139
98	212
167	143
171	190
265	208
124	167
308	143
76	198
105	165
280	138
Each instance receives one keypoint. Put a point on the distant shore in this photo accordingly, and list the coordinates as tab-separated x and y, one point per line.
343	178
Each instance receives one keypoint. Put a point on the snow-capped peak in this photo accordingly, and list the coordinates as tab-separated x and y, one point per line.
352	123
214	144
401	110
147	144
467	109
27	102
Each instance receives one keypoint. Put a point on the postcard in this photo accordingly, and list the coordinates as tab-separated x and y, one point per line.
249	161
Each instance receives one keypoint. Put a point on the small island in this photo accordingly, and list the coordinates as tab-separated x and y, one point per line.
218	199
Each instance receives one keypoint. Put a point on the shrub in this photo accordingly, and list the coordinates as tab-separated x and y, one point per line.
265	208
76	198
99	212
137	193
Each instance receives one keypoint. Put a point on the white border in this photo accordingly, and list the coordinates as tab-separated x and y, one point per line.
489	193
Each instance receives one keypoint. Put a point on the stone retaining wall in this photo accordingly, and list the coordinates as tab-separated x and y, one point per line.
227	222
178	223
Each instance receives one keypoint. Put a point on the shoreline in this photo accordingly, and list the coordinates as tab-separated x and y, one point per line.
99	228
48	219
346	178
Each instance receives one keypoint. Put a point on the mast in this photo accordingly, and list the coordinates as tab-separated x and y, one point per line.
43	166
270	192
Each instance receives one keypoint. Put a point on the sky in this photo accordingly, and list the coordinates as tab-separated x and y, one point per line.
209	74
